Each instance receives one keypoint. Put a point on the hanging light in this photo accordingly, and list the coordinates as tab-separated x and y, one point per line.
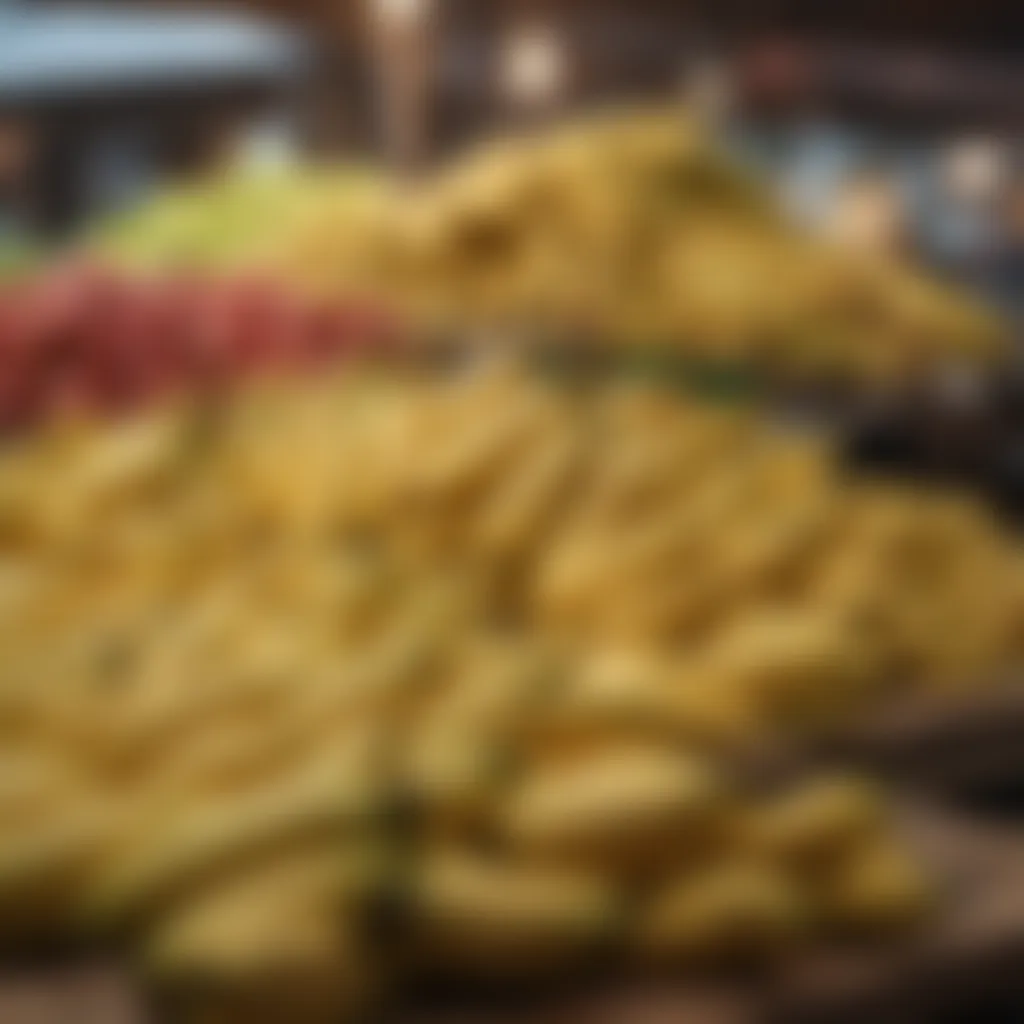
974	170
869	215
533	66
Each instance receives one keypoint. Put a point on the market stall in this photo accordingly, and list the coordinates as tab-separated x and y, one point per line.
500	591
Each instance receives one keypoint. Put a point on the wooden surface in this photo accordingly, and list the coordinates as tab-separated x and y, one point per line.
81	993
949	747
973	950
953	744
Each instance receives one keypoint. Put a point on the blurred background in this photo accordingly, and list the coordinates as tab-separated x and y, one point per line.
894	124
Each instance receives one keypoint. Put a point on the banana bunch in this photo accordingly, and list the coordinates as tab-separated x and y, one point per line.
239	221
721	567
629	229
634	231
280	716
745	581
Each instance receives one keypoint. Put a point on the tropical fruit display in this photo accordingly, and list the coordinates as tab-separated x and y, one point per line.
324	676
79	338
271	737
630	231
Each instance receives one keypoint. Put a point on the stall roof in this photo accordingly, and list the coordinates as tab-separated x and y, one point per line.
51	52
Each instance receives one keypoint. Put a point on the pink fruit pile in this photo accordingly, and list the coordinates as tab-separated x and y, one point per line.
83	338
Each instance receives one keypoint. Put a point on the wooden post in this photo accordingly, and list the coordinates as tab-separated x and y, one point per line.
533	70
401	34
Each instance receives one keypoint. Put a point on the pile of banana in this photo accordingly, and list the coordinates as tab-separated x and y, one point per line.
634	229
630	229
385	676
710	570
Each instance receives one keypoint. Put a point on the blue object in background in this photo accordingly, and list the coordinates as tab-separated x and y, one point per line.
49	52
121	98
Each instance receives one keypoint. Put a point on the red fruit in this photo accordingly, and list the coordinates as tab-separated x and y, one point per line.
209	335
70	394
279	342
19	399
326	334
82	338
259	320
59	303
